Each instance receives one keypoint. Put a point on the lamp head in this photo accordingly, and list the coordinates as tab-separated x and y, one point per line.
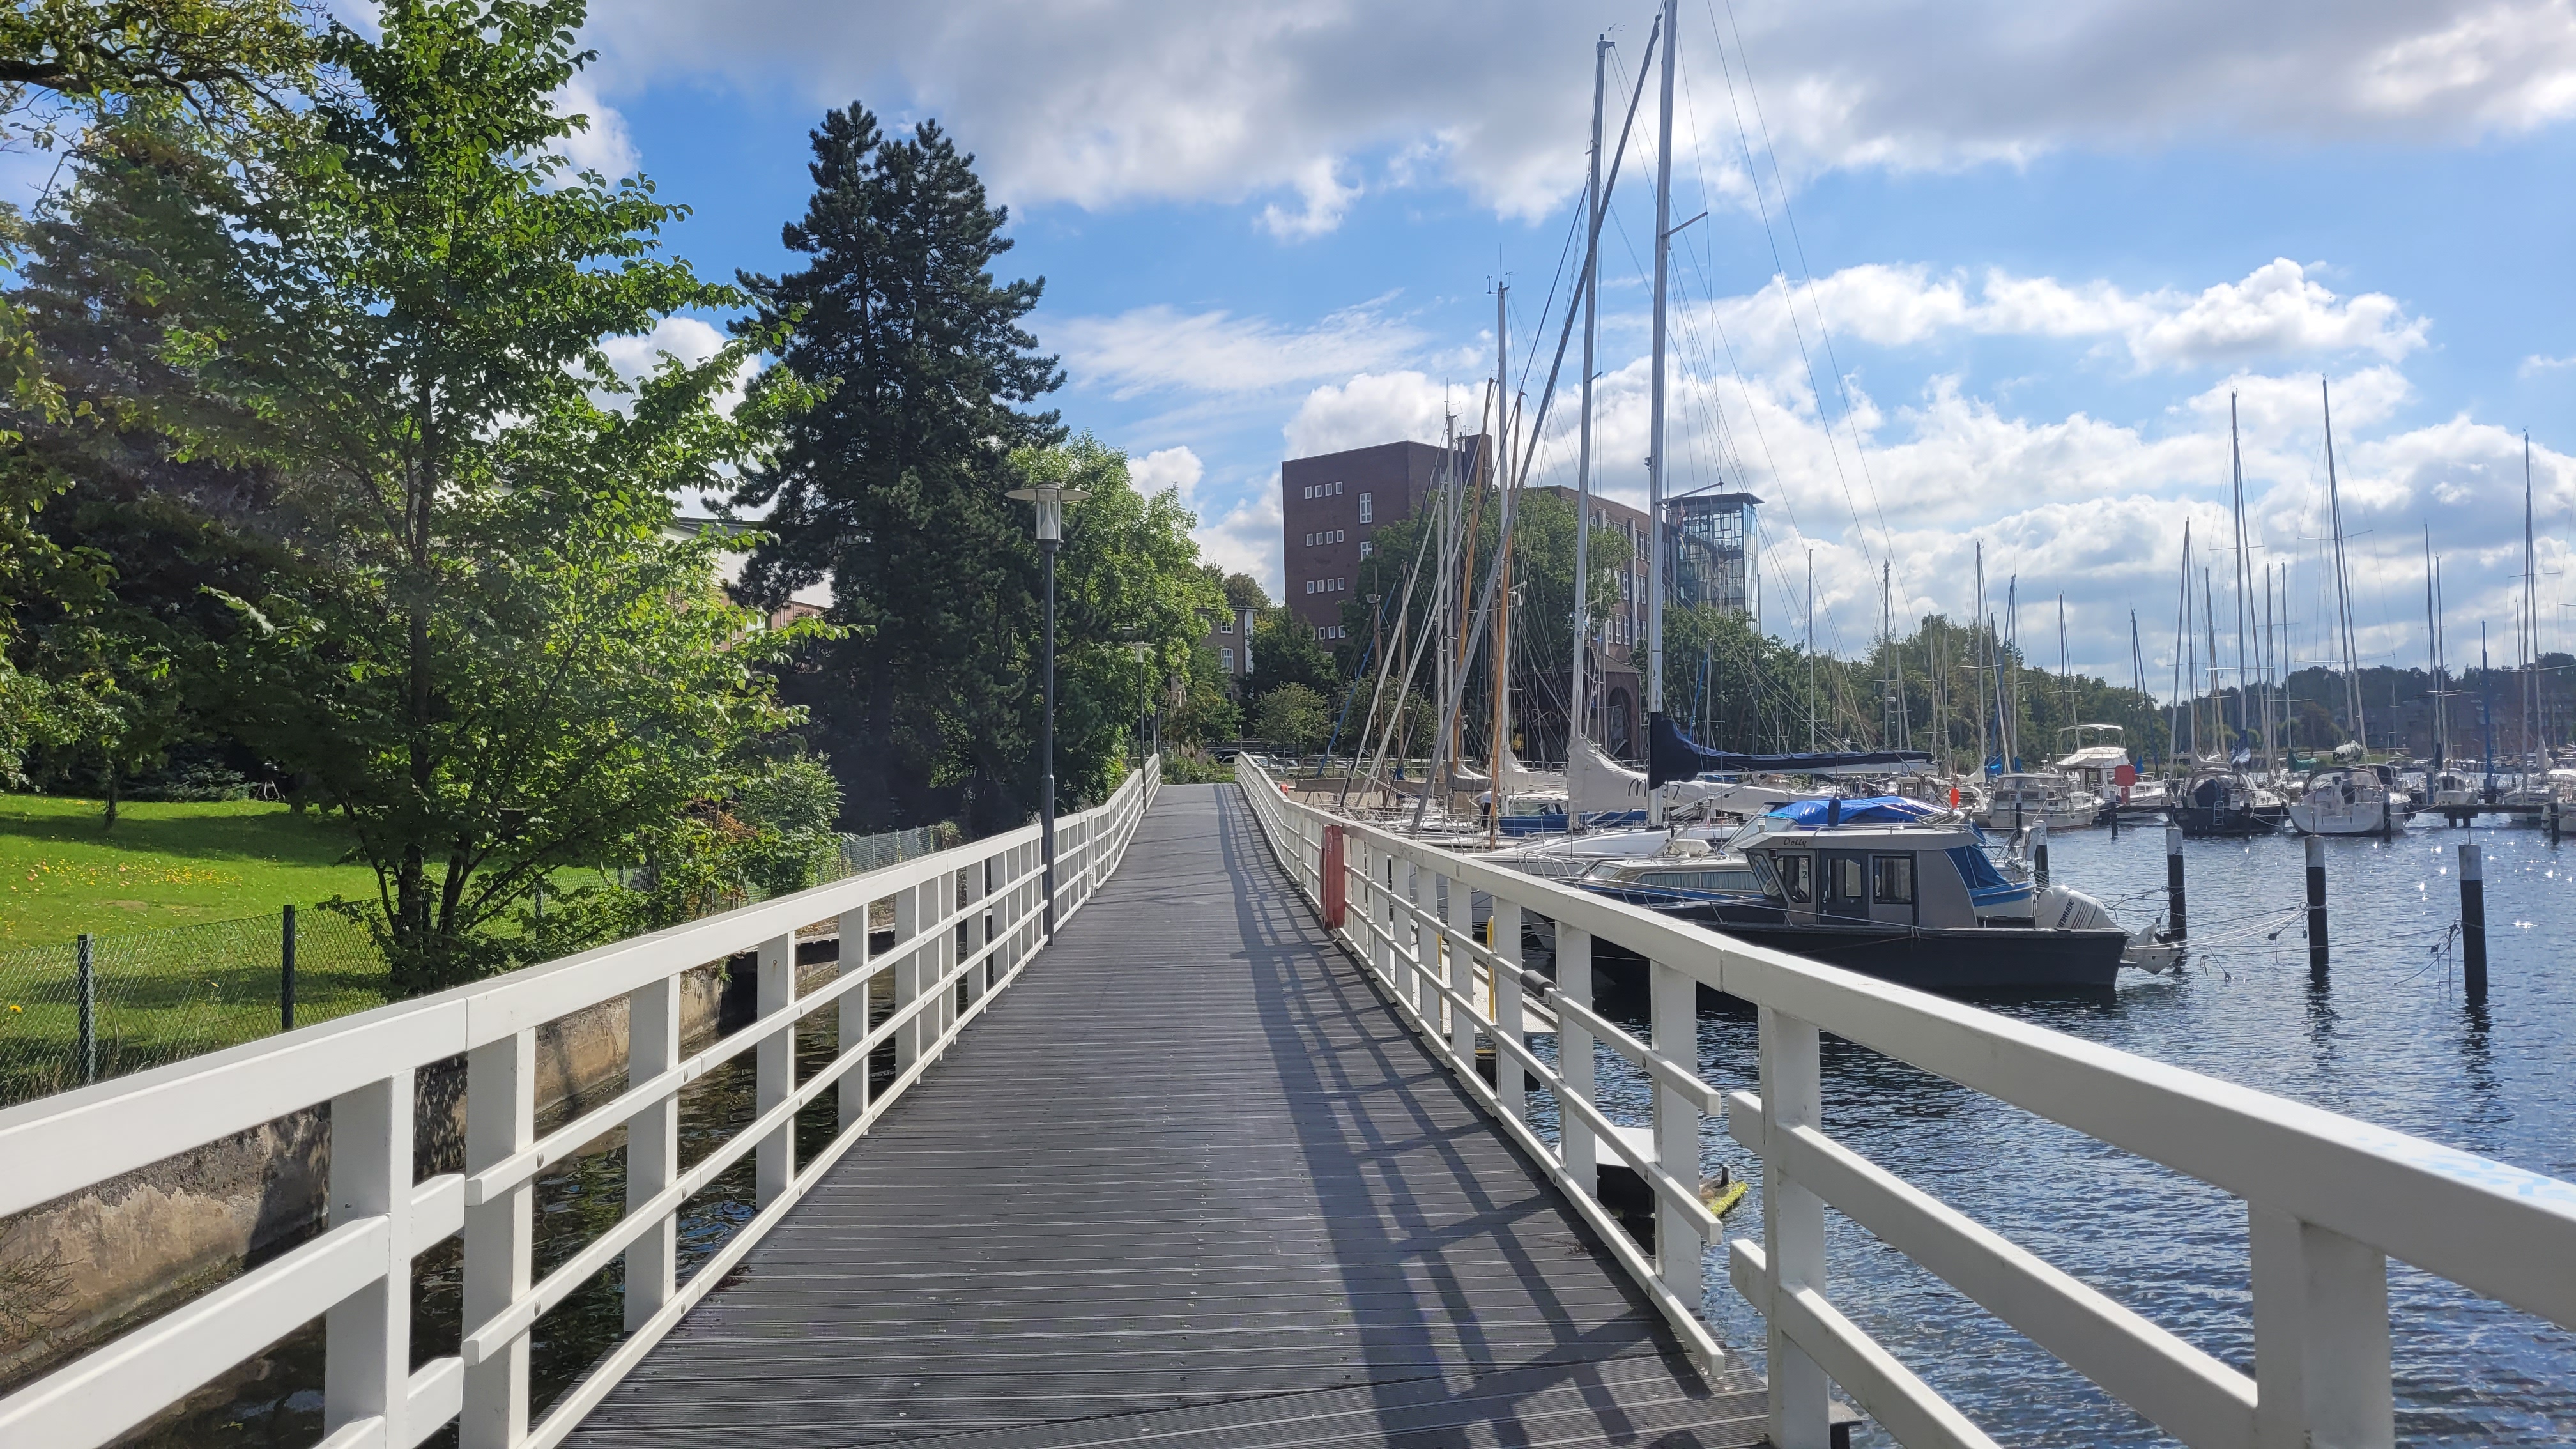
1050	501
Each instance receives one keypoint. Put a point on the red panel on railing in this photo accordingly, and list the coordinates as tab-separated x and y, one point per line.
1336	882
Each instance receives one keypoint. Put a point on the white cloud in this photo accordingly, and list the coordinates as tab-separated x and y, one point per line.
2277	311
1160	348
1374	408
605	145
1178	469
1324	200
2536	364
1246	540
1112	103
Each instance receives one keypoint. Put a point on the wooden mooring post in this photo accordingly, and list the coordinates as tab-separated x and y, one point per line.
2473	924
2316	909
2176	928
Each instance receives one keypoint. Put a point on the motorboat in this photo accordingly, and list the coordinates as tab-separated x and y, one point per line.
2104	773
2215	801
2015	801
1906	897
2352	799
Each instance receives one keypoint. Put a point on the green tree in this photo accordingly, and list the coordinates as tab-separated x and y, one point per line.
497	661
1127	579
1293	719
1205	714
1285	651
893	487
233	67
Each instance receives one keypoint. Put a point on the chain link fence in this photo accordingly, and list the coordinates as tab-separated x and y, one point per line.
104	1005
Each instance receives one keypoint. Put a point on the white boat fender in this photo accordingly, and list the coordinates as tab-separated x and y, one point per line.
2062	908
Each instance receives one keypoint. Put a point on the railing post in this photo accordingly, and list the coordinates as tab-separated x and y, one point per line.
1425	961
1673	998
944	957
500	1119
366	1362
652	1147
2321	1357
852	1026
1462	970
1574	1064
971	937
775	1069
1793	1225
1510	1083
907	974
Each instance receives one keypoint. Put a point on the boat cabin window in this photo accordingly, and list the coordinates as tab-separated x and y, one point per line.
1843	878
1797	877
1892	879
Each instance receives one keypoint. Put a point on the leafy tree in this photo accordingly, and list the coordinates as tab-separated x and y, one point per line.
1243	591
230	65
1293	719
1285	651
1206	713
893	487
497	663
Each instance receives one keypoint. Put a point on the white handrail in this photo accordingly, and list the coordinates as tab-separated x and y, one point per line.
2329	1199
967	921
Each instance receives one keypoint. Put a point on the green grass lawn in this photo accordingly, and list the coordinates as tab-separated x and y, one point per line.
162	865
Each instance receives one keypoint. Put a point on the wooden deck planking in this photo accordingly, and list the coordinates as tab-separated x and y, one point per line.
1188	1178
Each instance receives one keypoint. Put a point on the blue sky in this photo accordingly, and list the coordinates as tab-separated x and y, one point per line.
2044	242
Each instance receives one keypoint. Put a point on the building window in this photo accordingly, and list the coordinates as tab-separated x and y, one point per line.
1226	625
1367	547
1310	586
1227	655
1367	512
1338	534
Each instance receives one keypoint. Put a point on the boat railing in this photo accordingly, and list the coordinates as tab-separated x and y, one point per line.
2328	1199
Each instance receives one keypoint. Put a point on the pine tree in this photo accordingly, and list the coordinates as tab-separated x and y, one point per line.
893	487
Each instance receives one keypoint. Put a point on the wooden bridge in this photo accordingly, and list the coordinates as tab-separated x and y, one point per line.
1191	1179
1228	1126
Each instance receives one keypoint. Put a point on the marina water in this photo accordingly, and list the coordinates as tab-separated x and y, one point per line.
2388	1039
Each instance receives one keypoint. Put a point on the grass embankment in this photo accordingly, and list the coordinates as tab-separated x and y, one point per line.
162	865
183	900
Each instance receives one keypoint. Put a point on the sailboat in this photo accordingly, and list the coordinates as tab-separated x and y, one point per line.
2356	797
2217	798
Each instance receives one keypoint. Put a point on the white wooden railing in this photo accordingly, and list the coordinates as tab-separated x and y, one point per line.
966	921
2329	1200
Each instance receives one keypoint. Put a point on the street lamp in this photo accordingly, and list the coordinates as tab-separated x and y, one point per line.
1050	501
1144	653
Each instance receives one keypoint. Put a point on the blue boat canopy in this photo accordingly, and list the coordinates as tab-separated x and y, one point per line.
1868	810
1676	756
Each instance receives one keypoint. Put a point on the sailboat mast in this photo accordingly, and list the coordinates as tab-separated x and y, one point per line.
2242	578
1657	464
2433	646
1576	723
1502	665
1977	656
2343	584
2065	670
1811	651
2531	618
2182	639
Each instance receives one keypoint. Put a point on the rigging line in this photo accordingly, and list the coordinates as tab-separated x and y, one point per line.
1745	58
1762	209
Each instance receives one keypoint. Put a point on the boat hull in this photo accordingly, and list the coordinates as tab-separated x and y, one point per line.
2207	822
1954	960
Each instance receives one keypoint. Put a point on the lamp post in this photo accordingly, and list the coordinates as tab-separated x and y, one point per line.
1144	653
1050	501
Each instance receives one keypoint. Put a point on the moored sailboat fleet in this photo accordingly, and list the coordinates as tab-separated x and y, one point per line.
1890	862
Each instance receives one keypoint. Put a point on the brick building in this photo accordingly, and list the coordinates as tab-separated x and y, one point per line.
1331	507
